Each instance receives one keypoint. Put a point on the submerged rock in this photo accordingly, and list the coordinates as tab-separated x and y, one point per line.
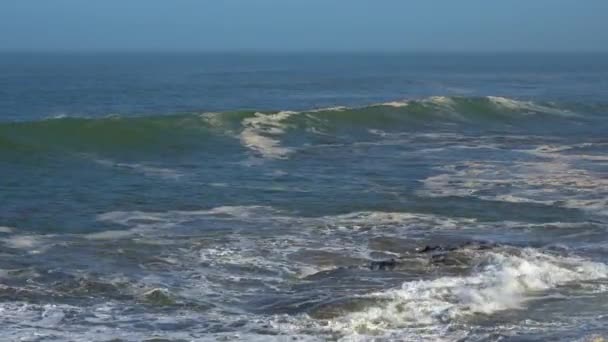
451	255
428	248
383	265
469	245
158	297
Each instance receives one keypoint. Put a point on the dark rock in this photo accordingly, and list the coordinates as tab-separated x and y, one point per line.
428	248
471	245
383	265
158	297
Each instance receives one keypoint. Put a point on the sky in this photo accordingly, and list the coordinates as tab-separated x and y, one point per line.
304	25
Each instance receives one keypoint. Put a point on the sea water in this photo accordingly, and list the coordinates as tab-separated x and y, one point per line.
312	197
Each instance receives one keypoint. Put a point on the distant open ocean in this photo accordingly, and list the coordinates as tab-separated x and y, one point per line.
303	197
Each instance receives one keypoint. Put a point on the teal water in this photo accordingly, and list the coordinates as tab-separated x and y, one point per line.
305	197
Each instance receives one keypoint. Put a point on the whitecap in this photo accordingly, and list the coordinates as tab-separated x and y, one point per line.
260	132
328	109
395	104
527	106
440	101
503	281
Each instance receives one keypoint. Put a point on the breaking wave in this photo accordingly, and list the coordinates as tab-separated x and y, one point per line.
502	281
261	132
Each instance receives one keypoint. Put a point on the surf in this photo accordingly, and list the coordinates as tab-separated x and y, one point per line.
263	132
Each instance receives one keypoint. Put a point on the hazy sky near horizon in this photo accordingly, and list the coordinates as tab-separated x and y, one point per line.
362	25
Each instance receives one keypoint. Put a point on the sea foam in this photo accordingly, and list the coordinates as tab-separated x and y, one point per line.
502	281
259	132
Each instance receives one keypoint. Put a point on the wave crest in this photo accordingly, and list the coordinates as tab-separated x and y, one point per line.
262	132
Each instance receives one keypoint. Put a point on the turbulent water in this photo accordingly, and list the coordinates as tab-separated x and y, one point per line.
414	198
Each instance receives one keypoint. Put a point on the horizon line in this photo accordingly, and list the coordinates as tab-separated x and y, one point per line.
296	51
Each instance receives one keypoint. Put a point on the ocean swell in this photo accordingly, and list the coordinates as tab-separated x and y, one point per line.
261	132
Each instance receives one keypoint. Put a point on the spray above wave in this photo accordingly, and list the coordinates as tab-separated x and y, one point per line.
262	132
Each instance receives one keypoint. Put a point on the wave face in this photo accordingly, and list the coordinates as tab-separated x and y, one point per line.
263	132
104	133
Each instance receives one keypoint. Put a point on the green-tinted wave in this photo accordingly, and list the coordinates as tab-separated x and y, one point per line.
102	133
187	129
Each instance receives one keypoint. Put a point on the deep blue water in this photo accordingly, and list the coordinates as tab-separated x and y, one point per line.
306	196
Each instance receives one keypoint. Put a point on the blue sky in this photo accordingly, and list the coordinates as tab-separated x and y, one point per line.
362	25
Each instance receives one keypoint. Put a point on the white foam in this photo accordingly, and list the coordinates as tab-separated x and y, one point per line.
6	229
395	104
387	222
146	222
153	170
552	179
328	109
260	132
508	103
503	282
238	211
380	218
291	250
252	257
552	151
267	147
440	100
213	119
58	116
110	235
527	106
124	217
147	170
34	322
593	338
29	242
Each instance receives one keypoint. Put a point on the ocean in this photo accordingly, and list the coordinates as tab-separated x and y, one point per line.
303	197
